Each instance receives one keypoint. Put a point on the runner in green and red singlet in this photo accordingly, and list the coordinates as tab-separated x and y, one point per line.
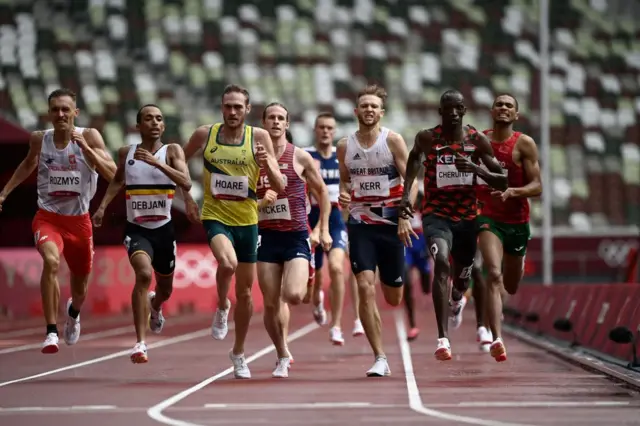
450	206
503	225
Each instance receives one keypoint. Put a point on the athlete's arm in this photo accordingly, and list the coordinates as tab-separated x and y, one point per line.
529	158
97	154
316	186
398	148
176	168
495	176
115	185
345	176
422	143
268	159
196	142
26	167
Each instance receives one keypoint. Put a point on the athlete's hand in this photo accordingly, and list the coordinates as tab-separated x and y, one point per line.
142	154
405	231
193	212
79	139
325	240
314	238
97	218
463	164
503	195
405	211
270	197
344	199
2	198
261	155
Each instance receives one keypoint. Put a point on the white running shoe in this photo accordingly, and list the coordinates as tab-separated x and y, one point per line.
156	319
71	327
139	353
443	351
240	367
50	344
484	338
282	368
380	367
455	315
219	327
335	336
358	329
319	314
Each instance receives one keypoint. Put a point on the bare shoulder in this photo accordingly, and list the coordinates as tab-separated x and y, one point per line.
123	151
174	148
395	138
526	144
423	137
342	143
303	156
36	137
202	131
262	134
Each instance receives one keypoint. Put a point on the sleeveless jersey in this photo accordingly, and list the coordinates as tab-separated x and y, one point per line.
289	212
230	178
448	192
66	181
513	210
376	185
330	173
149	192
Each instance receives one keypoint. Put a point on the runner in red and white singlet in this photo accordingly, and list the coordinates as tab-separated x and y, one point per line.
284	243
68	160
450	207
503	224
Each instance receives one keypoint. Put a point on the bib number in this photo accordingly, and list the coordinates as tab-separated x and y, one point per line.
447	175
371	186
64	183
148	208
276	211
225	187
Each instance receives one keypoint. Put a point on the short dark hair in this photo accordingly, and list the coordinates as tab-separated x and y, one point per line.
58	93
264	112
323	115
235	88
139	114
509	95
451	93
289	136
375	90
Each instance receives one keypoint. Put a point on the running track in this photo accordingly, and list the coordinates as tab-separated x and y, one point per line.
187	380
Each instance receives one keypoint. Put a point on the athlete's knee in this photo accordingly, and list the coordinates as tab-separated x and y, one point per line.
227	264
335	265
293	297
144	274
366	289
51	259
494	277
243	294
393	295
442	264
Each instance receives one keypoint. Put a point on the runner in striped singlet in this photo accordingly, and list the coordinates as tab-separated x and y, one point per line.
233	154
450	206
69	160
503	224
284	246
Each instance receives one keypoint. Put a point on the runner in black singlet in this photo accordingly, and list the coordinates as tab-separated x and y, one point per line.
453	151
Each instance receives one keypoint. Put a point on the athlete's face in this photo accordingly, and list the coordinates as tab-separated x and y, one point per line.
151	124
62	112
452	110
276	121
325	130
504	110
234	109
369	110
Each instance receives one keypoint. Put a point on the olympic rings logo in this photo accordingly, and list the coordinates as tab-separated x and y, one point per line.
196	268
615	252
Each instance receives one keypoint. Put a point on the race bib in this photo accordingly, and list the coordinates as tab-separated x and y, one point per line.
64	183
148	208
276	211
448	175
225	187
371	186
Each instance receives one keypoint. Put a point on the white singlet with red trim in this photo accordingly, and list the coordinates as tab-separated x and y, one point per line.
376	185
66	180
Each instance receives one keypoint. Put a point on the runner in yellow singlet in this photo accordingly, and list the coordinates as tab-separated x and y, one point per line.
233	154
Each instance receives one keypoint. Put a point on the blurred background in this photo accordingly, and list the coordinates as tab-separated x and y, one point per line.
314	56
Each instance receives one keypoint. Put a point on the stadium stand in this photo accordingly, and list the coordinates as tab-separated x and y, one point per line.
314	55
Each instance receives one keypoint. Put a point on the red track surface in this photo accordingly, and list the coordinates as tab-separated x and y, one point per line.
531	388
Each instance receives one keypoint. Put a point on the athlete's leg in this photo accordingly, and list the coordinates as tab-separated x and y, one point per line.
270	281
491	247
50	293
479	292
141	263
408	296
336	294
164	261
512	271
463	251
317	295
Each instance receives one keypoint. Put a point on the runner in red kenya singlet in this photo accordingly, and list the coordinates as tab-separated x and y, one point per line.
503	225
68	160
450	205
284	246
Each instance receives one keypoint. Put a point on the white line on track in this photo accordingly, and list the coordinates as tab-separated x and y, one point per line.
292	406
90	336
162	343
58	409
415	400
155	412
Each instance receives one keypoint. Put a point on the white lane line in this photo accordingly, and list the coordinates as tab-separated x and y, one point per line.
155	412
415	400
88	337
58	409
539	404
170	341
293	406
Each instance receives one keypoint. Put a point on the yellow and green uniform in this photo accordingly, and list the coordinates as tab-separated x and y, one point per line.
230	204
